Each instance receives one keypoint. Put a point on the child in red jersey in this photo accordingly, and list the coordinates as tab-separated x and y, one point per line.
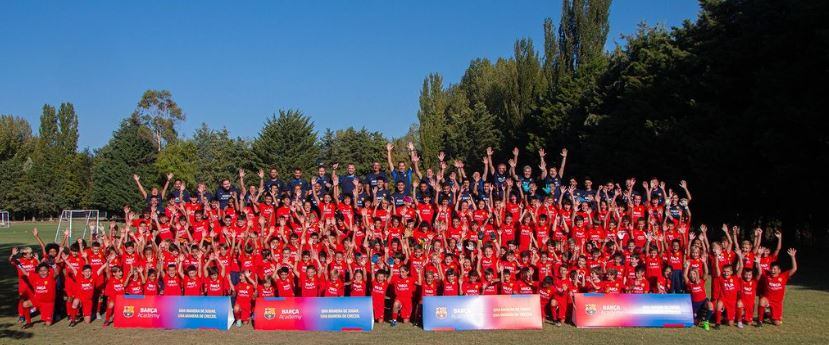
729	287
25	261
404	288
546	293
379	288
244	292
151	286
700	304
775	290
171	282
748	293
41	284
357	285
217	282
562	293
285	283
115	286
87	283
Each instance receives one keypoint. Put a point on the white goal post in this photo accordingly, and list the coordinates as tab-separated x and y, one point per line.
5	221
78	223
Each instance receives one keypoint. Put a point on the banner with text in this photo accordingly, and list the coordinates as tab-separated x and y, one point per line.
314	314
460	313
173	312
631	310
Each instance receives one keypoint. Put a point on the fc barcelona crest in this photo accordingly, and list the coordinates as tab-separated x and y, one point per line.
129	311
441	312
590	309
269	313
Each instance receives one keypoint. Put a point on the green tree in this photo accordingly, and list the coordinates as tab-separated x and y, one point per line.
287	141
181	159
432	118
360	147
220	157
159	113
128	152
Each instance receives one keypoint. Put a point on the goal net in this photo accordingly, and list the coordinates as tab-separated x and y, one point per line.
79	223
5	221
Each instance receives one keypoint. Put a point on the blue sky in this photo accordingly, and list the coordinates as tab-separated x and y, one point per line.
233	64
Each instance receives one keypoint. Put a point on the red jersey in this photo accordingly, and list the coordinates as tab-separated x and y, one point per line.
429	289
638	286
403	287
42	289
285	288
85	287
172	285
697	290
775	287
612	286
729	288
310	287
265	291
451	288
358	288
244	292
192	286
115	286
472	289
378	289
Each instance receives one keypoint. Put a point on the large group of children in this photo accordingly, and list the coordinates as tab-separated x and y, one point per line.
402	234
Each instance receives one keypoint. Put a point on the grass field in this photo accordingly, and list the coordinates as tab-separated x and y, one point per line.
806	321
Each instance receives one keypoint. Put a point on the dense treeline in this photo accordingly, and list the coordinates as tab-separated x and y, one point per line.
731	102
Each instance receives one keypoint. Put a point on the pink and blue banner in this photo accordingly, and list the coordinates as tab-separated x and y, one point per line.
594	310
461	313
314	314
173	312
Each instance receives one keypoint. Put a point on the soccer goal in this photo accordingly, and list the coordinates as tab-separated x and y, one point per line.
5	221
79	223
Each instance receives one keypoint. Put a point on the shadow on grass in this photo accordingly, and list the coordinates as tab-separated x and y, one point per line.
12	331
8	282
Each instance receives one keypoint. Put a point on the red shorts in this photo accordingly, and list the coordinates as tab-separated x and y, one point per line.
748	308
379	305
406	307
86	305
23	290
563	302
47	310
245	308
730	309
776	310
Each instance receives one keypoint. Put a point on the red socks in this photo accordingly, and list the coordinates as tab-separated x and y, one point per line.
26	314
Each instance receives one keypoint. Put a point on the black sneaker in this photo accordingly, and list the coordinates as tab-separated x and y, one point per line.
717	326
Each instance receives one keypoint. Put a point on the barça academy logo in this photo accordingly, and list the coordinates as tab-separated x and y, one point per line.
129	311
270	313
590	309
441	313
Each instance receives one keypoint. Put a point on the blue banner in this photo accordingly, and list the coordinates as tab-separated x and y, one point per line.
633	310
314	314
173	312
460	313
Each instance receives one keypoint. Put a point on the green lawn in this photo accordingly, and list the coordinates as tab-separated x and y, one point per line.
806	322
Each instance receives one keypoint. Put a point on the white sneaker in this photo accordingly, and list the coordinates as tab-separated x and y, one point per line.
740	324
